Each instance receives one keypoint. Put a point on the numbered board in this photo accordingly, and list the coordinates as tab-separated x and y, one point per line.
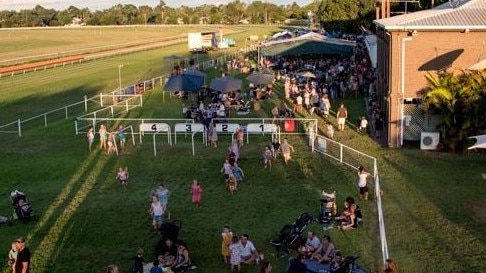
227	127
261	128
188	127
154	127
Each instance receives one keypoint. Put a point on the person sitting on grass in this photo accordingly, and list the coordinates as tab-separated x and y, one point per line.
182	260
249	254
156	268
349	219
311	244
325	252
296	265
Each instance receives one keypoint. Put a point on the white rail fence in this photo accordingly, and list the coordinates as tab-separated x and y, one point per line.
114	98
354	158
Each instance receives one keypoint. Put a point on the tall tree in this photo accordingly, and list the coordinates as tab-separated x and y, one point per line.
234	12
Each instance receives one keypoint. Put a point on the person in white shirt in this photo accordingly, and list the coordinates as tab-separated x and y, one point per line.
311	244
248	252
362	183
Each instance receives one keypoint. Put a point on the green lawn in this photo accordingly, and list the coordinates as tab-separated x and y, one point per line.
433	203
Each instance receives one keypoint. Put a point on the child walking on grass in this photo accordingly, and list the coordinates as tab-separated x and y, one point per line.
122	176
267	157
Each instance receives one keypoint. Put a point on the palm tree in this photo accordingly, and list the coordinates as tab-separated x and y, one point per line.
456	99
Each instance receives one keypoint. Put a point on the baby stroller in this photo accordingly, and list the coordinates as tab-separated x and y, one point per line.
328	209
22	209
244	108
290	236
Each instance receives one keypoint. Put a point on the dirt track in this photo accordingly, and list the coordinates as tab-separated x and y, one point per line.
51	62
80	57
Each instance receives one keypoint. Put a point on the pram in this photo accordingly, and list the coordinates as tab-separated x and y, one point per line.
290	236
328	209
22	209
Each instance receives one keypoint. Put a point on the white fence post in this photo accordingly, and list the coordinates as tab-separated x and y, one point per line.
101	99
85	103
76	126
340	153
19	127
67	116
45	120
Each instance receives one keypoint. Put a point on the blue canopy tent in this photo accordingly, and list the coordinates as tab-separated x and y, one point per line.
225	84
191	81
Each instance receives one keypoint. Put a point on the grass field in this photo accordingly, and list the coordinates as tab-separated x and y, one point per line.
433	203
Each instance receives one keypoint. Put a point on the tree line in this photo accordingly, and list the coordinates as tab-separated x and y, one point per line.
342	15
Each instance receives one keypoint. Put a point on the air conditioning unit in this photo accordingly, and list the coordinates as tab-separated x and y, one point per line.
429	140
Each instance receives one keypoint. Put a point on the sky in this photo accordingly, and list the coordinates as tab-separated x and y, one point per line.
104	4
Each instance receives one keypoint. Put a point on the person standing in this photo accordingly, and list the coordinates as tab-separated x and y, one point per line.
157	212
235	254
138	262
286	148
122	177
163	194
362	183
330	130
121	136
196	193
267	157
342	115
379	124
22	263
226	237
103	136
363	124
90	136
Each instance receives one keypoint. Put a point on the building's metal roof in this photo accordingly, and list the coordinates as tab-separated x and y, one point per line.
456	14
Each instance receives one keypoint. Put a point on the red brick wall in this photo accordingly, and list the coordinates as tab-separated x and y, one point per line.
424	52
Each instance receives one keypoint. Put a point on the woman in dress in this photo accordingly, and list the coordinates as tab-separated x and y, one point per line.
196	193
103	136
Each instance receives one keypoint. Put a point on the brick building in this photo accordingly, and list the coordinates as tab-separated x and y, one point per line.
452	35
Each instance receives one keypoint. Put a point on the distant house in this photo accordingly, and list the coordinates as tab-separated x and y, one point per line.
452	35
76	21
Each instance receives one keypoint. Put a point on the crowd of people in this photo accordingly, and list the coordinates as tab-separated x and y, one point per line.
313	82
335	78
107	138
